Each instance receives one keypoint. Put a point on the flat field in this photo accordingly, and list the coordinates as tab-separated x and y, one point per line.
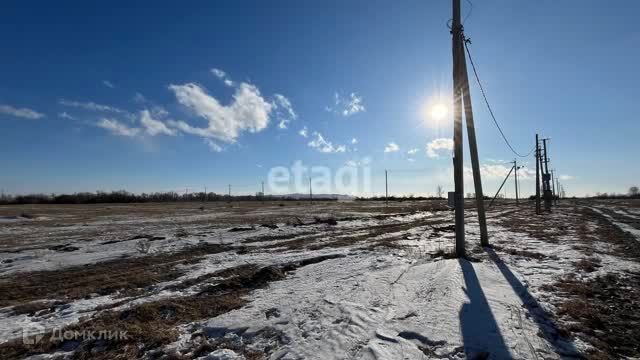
328	280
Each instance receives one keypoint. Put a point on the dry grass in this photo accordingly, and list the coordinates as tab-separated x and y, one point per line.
124	276
153	324
604	311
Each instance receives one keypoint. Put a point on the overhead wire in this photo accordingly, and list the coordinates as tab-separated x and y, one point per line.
466	41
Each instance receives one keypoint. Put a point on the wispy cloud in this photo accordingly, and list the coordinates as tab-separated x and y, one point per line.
138	98
304	132
346	106
65	115
248	111
117	128
24	113
566	177
154	127
437	145
321	144
213	146
283	110
391	147
413	151
220	74
108	84
354	141
91	106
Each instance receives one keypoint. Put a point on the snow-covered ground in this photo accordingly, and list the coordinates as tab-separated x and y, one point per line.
374	284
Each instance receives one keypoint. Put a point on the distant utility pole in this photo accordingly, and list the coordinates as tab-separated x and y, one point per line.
546	179
229	192
462	96
553	188
263	191
310	192
386	188
503	182
537	175
515	166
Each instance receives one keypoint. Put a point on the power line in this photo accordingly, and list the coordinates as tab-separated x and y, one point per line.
484	95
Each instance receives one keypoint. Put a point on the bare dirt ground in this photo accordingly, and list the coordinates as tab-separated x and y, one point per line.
325	280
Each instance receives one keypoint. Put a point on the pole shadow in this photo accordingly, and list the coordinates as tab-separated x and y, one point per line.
543	319
480	332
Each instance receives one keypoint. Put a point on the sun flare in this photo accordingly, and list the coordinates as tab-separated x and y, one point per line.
438	111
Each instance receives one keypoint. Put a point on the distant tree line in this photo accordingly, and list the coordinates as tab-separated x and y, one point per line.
122	196
632	193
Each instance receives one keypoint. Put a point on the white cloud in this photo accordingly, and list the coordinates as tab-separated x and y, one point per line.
220	74
413	151
154	127
391	147
248	111
65	115
322	145
356	163
213	146
354	105
24	113
117	128
439	144
411	160
108	84
566	177
284	110
304	132
91	106
348	106
354	141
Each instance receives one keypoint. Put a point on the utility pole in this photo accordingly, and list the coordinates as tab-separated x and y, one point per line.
473	149
229	192
462	95
537	176
546	177
386	188
515	166
263	191
456	31
310	192
553	188
503	182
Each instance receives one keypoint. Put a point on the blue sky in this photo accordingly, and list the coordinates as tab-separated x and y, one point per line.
153	96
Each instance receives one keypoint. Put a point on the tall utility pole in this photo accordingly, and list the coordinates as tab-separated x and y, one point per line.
310	192
537	176
515	167
473	146
386	188
462	95
456	47
546	178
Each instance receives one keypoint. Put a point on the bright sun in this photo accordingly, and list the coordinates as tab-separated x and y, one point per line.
438	111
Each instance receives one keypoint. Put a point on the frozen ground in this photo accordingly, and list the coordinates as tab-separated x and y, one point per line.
329	280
